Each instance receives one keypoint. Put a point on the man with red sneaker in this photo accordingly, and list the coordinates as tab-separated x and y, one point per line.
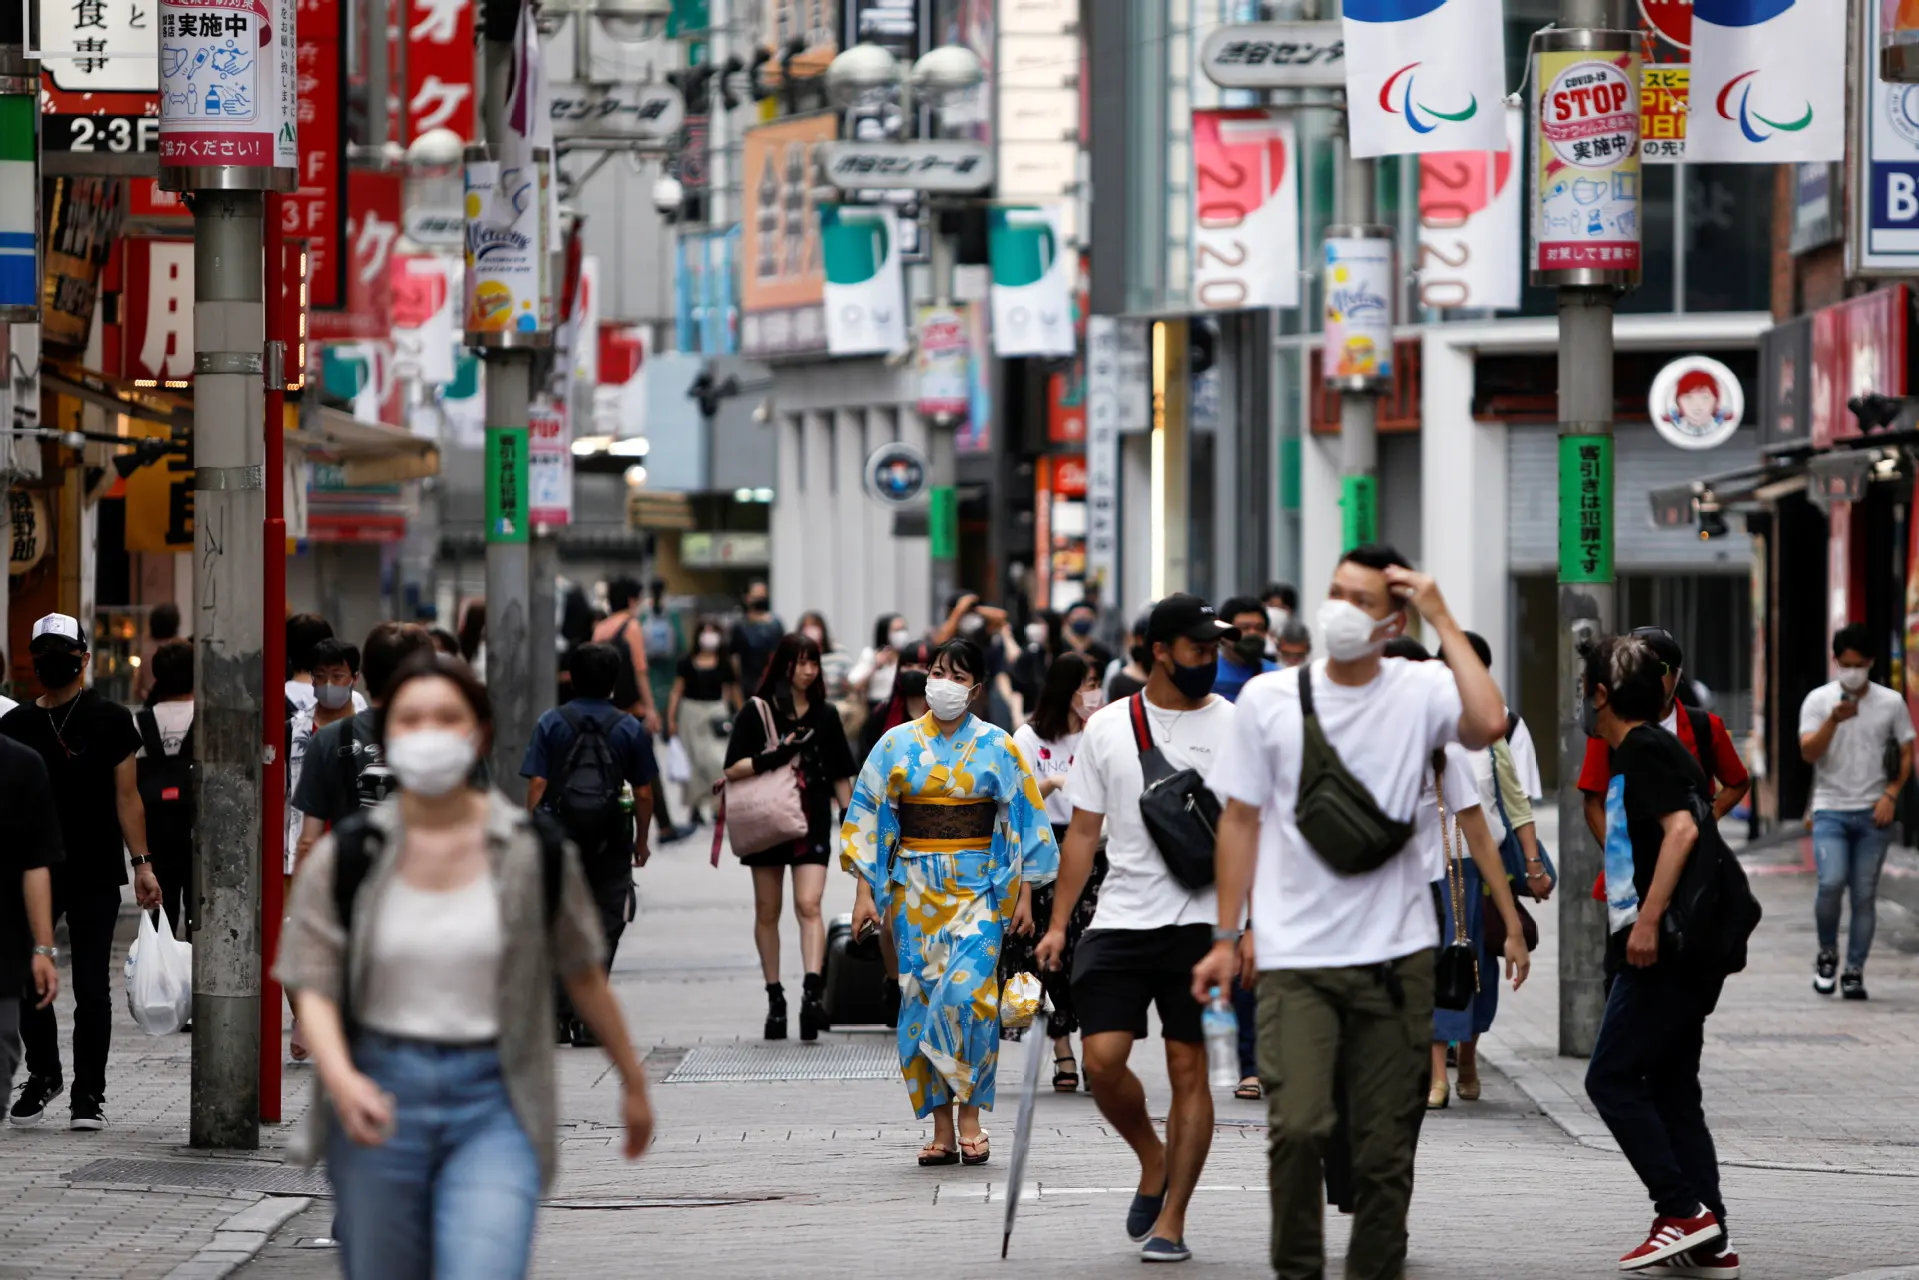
1644	1075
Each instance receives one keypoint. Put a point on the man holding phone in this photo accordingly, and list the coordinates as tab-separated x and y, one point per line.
1849	730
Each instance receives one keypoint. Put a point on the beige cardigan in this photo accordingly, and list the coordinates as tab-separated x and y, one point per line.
314	956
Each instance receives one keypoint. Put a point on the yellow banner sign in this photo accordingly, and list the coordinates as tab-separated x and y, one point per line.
1662	111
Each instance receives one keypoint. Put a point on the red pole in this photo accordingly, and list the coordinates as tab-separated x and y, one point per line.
273	660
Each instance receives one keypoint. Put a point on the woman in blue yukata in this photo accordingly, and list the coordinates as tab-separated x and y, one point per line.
948	836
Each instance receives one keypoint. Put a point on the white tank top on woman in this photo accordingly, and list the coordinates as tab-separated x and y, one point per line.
434	971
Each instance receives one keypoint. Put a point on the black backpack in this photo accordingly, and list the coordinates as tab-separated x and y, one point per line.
1713	911
166	787
626	685
585	795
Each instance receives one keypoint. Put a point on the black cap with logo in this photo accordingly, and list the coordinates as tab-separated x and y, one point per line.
1188	616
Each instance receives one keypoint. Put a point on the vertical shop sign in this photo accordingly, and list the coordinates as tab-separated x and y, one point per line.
372	227
1469	225
229	85
316	210
156	311
439	67
1585	193
1585	509
782	270
506	496
549	464
1102	451
83	220
1246	215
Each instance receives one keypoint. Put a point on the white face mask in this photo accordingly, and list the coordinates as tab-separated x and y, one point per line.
1036	633
947	699
1349	631
1277	618
899	637
1088	701
709	643
333	696
815	635
431	762
1853	679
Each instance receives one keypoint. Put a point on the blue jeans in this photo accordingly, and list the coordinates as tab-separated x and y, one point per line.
454	1192
1849	849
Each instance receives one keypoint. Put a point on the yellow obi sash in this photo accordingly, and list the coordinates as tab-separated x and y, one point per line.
941	825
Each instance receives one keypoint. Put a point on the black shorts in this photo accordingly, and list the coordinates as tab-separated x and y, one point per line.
1118	972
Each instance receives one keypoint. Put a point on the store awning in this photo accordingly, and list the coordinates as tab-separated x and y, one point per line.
165	408
368	453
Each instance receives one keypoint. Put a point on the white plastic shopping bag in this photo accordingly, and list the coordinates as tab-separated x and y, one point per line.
679	767
159	978
1019	1000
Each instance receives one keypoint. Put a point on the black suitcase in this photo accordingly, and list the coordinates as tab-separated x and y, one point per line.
855	977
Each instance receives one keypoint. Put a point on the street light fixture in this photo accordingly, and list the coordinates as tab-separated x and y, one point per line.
862	73
633	21
948	72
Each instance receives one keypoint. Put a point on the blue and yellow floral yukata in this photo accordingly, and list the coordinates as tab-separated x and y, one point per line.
945	831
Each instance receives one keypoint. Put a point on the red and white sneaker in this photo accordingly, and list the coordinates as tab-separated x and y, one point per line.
1672	1236
1708	1262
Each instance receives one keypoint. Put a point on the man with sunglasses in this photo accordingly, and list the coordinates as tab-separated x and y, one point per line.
1700	732
88	745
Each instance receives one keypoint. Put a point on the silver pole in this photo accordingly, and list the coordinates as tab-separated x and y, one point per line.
1358	406
509	391
1586	611
943	482
229	453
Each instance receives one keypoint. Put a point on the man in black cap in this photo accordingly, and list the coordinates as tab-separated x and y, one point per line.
1700	732
1149	929
88	745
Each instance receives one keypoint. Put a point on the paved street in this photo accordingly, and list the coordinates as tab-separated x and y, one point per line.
816	1178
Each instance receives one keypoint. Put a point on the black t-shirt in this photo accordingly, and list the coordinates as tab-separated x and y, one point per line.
1652	775
81	742
32	840
1123	686
704	686
343	770
753	642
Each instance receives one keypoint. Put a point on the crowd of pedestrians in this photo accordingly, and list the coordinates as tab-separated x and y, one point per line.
1329	853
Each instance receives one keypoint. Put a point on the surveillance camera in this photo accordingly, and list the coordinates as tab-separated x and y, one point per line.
667	195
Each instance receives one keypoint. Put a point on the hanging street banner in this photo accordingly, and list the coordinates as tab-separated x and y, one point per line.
1586	208
1246	215
1424	75
1469	225
1359	284
865	279
1032	289
944	354
229	90
1769	82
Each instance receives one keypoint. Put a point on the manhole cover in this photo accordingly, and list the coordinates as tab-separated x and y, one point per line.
223	1175
746	1064
1786	1037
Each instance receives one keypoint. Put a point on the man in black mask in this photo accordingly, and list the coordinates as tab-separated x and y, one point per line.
754	638
88	744
1245	657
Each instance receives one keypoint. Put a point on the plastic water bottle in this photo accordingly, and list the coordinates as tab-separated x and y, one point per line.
1222	1042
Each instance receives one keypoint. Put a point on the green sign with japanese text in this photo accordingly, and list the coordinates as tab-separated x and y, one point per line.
1358	511
506	503
1585	509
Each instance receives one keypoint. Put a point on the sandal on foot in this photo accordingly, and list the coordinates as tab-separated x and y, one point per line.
1143	1215
1065	1081
976	1150
1439	1096
1249	1090
934	1154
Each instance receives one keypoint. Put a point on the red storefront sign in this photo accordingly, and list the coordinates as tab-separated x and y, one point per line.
1858	348
372	225
155	332
1069	476
316	212
439	67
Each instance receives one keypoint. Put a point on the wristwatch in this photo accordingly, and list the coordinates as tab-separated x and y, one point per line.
1226	935
51	953
140	859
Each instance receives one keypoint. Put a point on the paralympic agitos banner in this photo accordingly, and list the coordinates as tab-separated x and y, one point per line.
1768	82
1425	75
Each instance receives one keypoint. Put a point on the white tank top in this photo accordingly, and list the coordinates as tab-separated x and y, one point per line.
434	963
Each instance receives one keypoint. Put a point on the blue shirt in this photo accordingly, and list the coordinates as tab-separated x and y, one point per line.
1231	677
553	737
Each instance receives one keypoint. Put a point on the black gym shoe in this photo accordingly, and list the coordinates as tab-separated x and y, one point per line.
1825	972
1852	985
581	1036
88	1114
30	1108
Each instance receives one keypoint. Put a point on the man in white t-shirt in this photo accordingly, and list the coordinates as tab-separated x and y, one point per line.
1345	961
1149	929
1845	726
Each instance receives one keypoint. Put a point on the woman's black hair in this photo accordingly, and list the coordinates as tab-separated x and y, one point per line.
917	654
1055	629
472	629
826	632
776	686
883	630
444	641
431	665
964	655
1064	679
172	670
